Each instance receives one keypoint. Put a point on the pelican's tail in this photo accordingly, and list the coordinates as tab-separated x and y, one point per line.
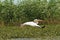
21	25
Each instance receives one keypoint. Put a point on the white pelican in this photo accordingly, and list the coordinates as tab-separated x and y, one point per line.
32	23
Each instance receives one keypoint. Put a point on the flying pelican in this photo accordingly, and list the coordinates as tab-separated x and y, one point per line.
32	23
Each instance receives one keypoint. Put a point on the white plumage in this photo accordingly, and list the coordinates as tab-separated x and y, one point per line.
32	23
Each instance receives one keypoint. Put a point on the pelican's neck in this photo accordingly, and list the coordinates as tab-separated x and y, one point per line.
36	22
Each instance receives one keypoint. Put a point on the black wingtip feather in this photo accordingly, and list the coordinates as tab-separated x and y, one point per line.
43	26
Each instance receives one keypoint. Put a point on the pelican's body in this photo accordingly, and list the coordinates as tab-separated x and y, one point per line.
31	24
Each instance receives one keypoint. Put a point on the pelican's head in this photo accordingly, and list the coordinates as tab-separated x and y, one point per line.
37	20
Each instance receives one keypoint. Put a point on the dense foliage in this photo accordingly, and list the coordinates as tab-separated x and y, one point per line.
27	10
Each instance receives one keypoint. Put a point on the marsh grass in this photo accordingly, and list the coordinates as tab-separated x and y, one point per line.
29	32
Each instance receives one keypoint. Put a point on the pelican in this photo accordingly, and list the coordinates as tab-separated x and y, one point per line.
32	23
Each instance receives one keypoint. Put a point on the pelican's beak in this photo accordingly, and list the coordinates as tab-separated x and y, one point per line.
40	20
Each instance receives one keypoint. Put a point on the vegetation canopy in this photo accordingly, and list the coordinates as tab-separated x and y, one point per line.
28	10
